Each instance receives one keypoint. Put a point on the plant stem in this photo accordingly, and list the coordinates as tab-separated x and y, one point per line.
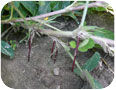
29	48
11	13
10	18
52	49
71	5
5	32
76	52
71	56
67	49
40	21
57	33
84	14
55	55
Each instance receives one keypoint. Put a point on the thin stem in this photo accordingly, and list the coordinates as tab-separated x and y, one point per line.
71	5
84	14
10	18
23	39
6	31
40	21
29	48
56	54
72	57
11	13
67	49
75	54
52	49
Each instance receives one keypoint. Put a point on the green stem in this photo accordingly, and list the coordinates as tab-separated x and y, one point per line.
11	13
84	14
72	57
40	21
10	18
71	5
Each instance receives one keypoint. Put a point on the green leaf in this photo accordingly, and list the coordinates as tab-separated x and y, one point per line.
86	44
65	3
104	33
92	62
97	9
7	49
94	83
57	5
17	3
30	6
23	11
44	7
97	46
72	44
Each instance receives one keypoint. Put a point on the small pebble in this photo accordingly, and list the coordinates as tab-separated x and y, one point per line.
56	71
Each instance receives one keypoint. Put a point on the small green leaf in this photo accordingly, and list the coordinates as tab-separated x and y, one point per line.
72	44
30	6
7	49
86	44
92	62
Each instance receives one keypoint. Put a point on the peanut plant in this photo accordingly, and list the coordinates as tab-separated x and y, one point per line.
33	16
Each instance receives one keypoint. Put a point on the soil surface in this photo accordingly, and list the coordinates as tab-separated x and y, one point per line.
39	72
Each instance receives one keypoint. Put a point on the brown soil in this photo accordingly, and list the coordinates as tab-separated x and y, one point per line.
38	73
